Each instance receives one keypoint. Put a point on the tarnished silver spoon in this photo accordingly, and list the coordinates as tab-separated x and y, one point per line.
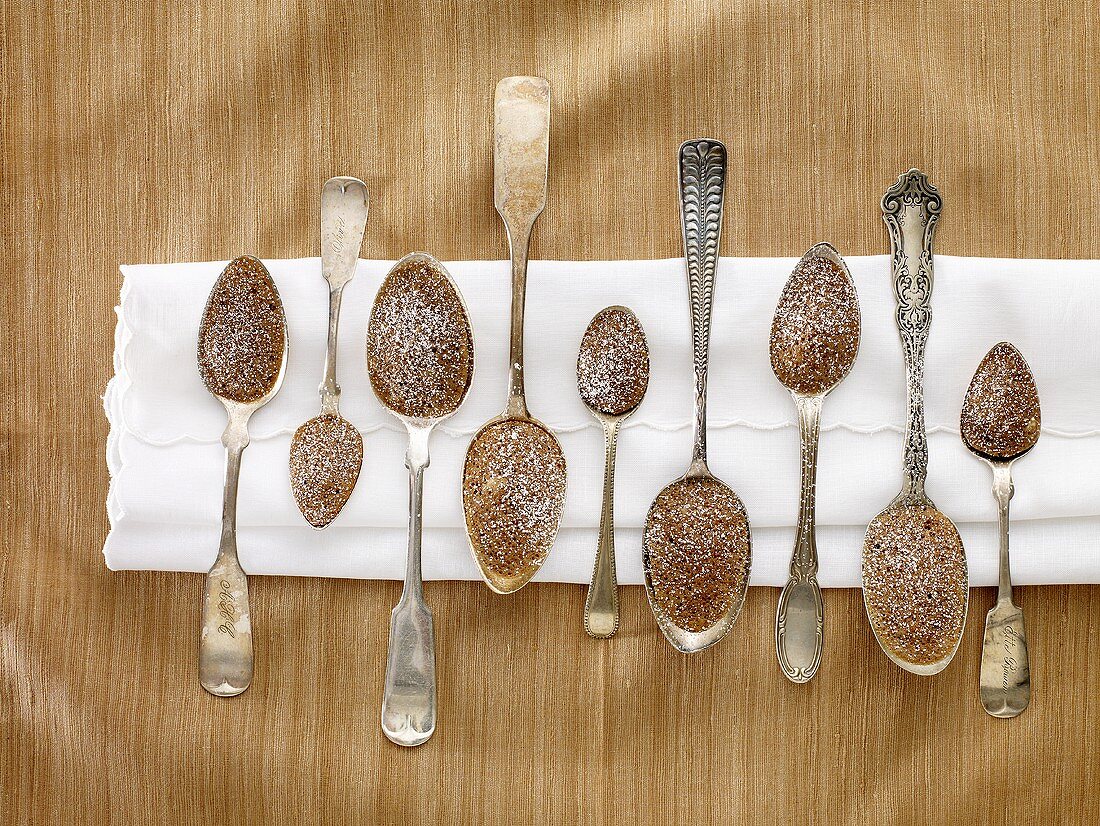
915	580
326	453
696	548
420	357
612	377
513	479
242	358
1000	422
814	341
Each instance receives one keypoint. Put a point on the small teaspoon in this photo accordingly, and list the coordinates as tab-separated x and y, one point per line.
612	377
1000	422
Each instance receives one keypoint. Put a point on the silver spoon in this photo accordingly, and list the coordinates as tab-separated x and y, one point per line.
420	358
814	341
513	479
915	581
1000	422
612	377
326	453
696	549
242	358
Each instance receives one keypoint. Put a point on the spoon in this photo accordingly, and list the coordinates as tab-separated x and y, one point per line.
915	581
814	341
326	453
612	377
1000	422
696	548
513	479
242	358
420	357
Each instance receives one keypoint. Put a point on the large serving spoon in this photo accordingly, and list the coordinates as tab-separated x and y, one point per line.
696	548
915	584
326	453
420	357
1000	422
242	358
513	479
814	341
612	377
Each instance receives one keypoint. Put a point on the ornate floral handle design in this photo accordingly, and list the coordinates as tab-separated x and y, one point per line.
910	209
702	193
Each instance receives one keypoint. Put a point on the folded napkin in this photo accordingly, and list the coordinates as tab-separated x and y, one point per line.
166	459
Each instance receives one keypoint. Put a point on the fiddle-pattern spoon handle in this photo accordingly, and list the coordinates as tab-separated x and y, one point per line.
702	194
521	156
343	223
601	607
409	696
910	209
225	647
1005	680
800	618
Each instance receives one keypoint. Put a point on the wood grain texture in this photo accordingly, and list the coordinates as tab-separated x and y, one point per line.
138	132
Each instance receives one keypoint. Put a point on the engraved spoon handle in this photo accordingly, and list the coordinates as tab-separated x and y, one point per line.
1005	679
521	156
409	696
800	617
601	608
910	209
702	193
343	222
225	647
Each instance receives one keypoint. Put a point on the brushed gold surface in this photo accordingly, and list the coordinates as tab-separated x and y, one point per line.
172	132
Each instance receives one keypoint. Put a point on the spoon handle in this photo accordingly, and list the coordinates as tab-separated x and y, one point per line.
521	156
601	608
1005	682
702	193
910	209
409	696
800	618
225	647
343	222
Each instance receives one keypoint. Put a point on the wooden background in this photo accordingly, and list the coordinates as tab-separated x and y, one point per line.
145	132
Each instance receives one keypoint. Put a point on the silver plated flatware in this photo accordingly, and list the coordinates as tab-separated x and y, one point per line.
1000	422
513	479
420	357
242	354
612	377
915	579
814	341
696	547
326	453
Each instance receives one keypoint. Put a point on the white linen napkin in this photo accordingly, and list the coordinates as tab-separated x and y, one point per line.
166	459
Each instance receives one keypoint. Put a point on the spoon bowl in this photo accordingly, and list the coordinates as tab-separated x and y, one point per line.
420	359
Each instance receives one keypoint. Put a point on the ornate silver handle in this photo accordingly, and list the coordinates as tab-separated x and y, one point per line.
343	222
409	696
225	647
601	608
702	193
910	209
800	618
